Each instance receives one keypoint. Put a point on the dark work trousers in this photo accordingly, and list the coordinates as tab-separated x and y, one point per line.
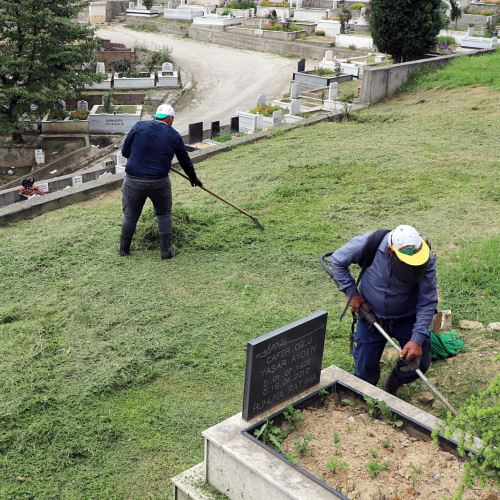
135	191
369	345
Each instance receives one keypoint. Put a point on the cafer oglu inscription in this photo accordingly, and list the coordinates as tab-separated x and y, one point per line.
283	363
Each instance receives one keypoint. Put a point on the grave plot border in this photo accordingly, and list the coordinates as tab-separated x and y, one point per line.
409	424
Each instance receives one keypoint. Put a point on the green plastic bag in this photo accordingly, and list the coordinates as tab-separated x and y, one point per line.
445	345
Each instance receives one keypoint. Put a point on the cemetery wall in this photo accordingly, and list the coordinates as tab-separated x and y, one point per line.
379	83
12	157
283	48
478	20
174	27
110	56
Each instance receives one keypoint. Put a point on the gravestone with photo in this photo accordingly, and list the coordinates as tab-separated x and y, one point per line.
283	363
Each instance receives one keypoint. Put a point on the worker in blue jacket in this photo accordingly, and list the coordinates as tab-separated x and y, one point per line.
149	148
400	289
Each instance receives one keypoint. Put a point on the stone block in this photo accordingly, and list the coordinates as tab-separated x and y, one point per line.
466	324
495	327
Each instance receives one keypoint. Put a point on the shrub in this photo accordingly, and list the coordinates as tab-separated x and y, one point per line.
234	4
121	65
148	4
321	72
78	115
275	4
282	27
266	110
352	47
357	6
446	40
319	33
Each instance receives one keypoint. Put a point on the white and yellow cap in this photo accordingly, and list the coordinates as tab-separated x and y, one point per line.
409	246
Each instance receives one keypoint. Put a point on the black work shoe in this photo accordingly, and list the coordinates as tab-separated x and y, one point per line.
392	385
166	250
124	246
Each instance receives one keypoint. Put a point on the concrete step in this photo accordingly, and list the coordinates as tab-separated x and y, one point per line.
190	485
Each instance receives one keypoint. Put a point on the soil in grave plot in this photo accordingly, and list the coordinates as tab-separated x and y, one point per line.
367	459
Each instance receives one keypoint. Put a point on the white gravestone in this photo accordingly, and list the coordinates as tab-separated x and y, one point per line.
100	68
277	117
333	91
327	15
261	101
295	107
328	55
140	4
82	105
39	156
283	17
295	90
167	67
334	5
471	30
120	159
43	186
131	5
76	180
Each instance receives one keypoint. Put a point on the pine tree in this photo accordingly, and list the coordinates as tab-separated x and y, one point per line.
406	29
42	54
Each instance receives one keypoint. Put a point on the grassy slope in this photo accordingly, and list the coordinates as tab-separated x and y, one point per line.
116	365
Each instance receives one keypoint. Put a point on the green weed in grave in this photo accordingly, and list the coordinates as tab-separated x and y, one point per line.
293	416
302	444
335	465
374	468
380	409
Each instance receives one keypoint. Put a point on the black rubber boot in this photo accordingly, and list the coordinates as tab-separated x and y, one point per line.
166	250
124	246
392	385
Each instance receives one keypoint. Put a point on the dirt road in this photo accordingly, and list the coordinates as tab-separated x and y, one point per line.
226	80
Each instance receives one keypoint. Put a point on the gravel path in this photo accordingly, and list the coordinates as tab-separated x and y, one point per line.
226	80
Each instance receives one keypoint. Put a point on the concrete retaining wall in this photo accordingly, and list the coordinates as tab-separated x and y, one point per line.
65	127
476	19
170	26
300	49
17	157
379	83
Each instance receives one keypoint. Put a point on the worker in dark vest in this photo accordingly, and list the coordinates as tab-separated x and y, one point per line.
400	289
150	147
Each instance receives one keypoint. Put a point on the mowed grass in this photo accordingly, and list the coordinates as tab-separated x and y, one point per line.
111	367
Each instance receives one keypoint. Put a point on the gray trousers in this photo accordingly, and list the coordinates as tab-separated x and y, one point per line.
135	191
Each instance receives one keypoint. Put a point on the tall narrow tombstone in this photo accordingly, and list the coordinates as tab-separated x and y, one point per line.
333	91
277	118
262	100
131	5
328	55
39	156
76	180
295	107
283	17
283	363
215	129
301	66
195	132
120	159
235	124
327	13
82	105
295	89
100	68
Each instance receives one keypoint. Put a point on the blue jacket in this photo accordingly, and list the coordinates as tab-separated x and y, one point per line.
389	297
150	147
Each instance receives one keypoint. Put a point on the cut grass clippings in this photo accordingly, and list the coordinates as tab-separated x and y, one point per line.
113	366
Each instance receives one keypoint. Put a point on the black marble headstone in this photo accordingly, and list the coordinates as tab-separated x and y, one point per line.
195	132
283	363
301	66
235	124
215	130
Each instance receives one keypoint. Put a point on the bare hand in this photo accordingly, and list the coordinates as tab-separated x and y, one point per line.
411	351
356	302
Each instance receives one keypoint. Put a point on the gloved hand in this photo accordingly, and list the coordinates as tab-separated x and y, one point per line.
356	302
195	182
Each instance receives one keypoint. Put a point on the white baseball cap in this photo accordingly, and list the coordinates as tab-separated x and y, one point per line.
164	110
409	246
